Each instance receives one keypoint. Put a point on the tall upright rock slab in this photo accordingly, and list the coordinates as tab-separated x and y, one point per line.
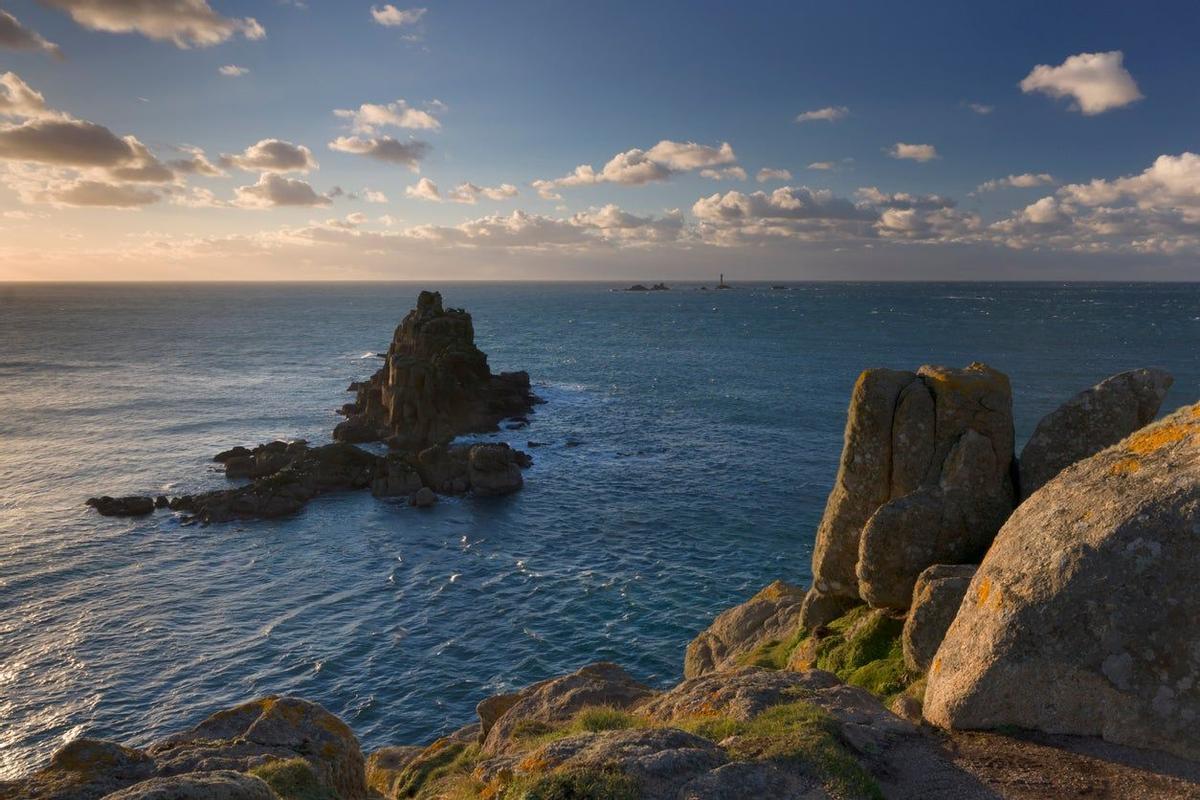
1091	421
1084	617
435	384
925	478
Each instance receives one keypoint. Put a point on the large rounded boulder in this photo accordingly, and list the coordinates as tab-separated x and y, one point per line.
1084	617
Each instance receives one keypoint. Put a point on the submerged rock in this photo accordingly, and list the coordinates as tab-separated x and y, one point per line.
925	478
131	506
1084	616
1091	421
773	613
436	384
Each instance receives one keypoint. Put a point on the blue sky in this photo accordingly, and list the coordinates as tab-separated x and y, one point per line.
528	91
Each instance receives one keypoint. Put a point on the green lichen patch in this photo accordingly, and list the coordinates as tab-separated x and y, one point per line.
576	784
773	654
796	732
293	779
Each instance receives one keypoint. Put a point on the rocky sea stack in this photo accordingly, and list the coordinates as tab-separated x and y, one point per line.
435	385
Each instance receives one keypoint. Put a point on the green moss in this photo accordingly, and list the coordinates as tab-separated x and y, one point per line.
775	653
592	719
577	784
444	759
863	648
293	779
796	731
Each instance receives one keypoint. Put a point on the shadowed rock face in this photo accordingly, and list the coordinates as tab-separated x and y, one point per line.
1091	421
936	598
925	478
435	385
1084	617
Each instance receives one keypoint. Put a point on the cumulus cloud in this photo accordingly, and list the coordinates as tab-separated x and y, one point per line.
272	155
374	196
827	114
1170	182
635	167
1096	82
384	148
467	193
185	23
196	163
18	99
370	117
274	190
99	194
16	36
913	152
724	174
767	174
233	71
784	203
871	195
65	142
1025	180
391	17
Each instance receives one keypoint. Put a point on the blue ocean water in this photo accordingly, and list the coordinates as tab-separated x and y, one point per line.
707	429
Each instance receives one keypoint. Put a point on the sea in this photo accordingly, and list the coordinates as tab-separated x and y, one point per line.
681	462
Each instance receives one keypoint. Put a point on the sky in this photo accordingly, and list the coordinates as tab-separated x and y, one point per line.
554	140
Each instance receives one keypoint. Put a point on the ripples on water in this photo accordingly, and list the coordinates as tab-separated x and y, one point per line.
708	424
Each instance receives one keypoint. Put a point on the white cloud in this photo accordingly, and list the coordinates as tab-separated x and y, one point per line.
467	193
370	117
981	108
65	142
827	114
186	23
767	174
635	167
390	16
272	155
196	163
1170	182
233	71
1097	82
18	99
374	196
384	148
16	36
871	195
783	203
724	174
1025	180
274	190
822	165
913	152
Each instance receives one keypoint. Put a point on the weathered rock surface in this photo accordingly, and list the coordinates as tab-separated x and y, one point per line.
556	699
301	473
82	770
1091	421
131	506
936	598
772	614
217	785
925	478
1084	617
435	385
261	461
261	731
385	768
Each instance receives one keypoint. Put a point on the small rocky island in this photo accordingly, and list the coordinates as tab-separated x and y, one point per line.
979	626
435	385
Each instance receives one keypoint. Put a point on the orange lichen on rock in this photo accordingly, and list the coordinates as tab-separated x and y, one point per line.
1161	436
1126	466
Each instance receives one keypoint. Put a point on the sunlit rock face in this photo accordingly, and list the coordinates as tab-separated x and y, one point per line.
435	385
925	478
1084	616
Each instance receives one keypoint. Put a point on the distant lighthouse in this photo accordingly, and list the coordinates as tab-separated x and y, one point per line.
723	284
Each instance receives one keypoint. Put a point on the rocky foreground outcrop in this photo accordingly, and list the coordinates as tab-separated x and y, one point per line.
925	478
1091	421
1084	617
434	386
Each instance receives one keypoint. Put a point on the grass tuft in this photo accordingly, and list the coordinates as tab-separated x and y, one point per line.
293	779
